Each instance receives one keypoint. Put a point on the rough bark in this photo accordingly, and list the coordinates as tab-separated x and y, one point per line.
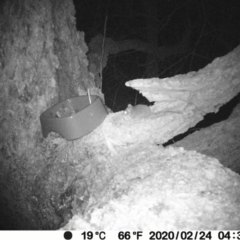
221	141
42	60
182	101
156	189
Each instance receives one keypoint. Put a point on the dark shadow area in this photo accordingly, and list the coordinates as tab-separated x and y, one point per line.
209	119
214	33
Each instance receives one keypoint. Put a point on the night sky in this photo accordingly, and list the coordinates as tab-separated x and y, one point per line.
216	31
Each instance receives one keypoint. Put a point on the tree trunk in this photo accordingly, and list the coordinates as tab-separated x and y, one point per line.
42	60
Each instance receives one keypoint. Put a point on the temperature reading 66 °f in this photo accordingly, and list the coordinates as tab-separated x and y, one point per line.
128	235
90	235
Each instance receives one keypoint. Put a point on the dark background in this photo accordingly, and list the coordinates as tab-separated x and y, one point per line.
216	32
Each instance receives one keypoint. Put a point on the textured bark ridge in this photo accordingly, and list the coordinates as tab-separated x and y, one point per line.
179	103
220	140
187	98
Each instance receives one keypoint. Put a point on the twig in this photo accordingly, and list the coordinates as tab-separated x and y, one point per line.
103	44
89	96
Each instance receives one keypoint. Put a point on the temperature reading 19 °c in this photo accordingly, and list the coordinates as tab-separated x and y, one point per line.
94	235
